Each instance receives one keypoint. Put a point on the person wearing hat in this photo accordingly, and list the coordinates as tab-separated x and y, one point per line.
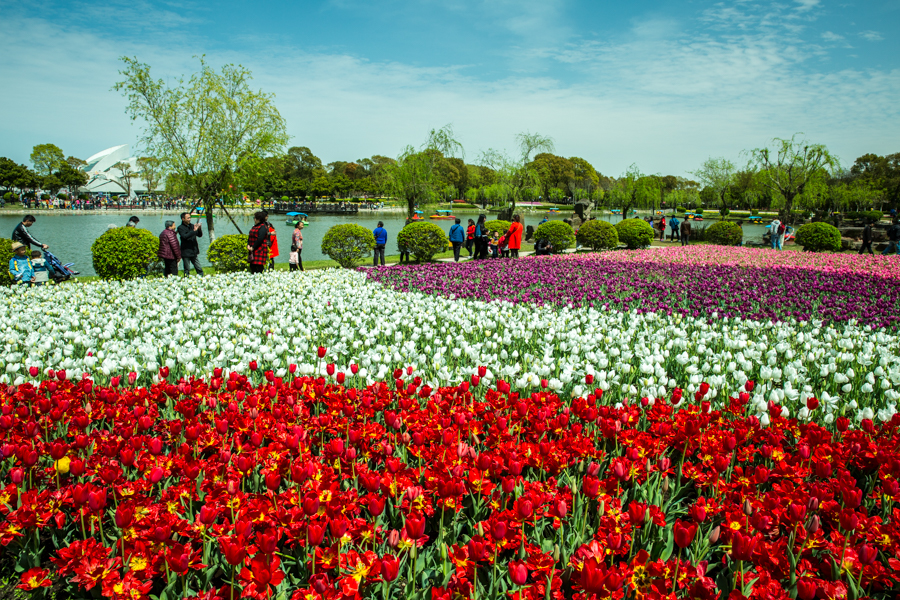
23	236
20	268
132	222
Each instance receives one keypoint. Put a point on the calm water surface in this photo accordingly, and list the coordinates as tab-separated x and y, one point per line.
70	235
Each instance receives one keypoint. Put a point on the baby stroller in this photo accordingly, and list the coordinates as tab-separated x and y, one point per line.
59	271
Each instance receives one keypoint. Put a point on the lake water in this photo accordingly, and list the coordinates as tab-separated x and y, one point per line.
70	235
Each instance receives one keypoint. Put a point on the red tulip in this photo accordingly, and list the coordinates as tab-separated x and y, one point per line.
684	533
390	567
341	378
310	504
697	513
124	516
315	533
415	527
33	371
498	531
482	371
806	589
867	554
253	365
518	572
743	546
354	368
321	351
588	379
637	513
234	549
592	577
329	368
376	504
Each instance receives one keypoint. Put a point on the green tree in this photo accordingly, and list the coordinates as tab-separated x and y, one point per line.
415	177
513	175
203	129
46	158
150	170
717	175
789	167
635	190
553	171
881	173
72	177
125	176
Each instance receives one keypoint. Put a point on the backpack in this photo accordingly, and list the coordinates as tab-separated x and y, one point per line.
781	229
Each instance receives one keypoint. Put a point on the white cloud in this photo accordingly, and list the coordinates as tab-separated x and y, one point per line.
872	36
830	36
806	5
665	95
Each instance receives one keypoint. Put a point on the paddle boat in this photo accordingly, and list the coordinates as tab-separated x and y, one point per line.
293	217
199	213
756	219
417	216
553	211
616	211
442	214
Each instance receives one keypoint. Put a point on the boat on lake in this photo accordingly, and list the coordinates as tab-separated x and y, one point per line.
294	217
442	214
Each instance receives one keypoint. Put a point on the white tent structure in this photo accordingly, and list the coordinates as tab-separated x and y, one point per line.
103	175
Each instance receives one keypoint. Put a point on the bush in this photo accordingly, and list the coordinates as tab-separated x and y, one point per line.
497	225
679	209
560	235
45	196
62	196
754	212
6	255
869	216
724	233
598	235
423	240
819	237
347	243
724	212
124	253
228	254
699	211
10	197
634	233
285	199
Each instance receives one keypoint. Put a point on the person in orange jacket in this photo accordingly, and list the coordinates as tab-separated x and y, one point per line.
273	243
514	236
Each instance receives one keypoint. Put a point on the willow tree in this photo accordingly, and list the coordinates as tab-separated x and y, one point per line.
416	175
790	167
204	129
517	175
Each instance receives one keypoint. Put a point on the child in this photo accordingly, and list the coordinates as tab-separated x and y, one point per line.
293	258
503	244
493	243
20	268
41	269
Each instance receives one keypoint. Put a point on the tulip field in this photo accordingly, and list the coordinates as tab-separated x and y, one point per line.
652	424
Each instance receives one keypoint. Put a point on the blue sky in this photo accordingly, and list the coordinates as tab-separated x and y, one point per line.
664	85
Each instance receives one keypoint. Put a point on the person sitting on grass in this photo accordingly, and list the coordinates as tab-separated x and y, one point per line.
20	268
42	271
543	248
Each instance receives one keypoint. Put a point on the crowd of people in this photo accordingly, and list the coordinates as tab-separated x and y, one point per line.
477	239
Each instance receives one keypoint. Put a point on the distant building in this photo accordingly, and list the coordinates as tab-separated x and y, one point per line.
102	175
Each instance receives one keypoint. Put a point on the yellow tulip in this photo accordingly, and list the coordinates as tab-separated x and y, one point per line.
62	465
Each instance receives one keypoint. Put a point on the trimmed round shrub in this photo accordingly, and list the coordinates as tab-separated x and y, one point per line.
347	243
497	225
559	234
124	253
634	233
6	255
679	209
228	254
724	212
699	211
62	196
423	240
754	212
598	235
724	233
45	196
819	237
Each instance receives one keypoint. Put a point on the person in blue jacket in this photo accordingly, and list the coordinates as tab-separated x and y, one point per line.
457	238
380	242
20	268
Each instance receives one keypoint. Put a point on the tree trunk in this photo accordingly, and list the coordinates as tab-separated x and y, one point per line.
208	206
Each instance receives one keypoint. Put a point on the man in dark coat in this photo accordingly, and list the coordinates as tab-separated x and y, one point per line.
685	232
169	252
23	236
190	249
867	239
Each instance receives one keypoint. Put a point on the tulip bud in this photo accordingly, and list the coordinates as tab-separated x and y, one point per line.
714	534
747	508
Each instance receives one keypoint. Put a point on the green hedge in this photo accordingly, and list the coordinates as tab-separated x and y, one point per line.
228	254
724	233
6	255
423	240
598	235
634	233
870	216
124	253
497	225
347	243
560	235
819	237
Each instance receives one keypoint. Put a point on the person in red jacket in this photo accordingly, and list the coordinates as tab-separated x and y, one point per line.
470	236
169	250
258	243
514	236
